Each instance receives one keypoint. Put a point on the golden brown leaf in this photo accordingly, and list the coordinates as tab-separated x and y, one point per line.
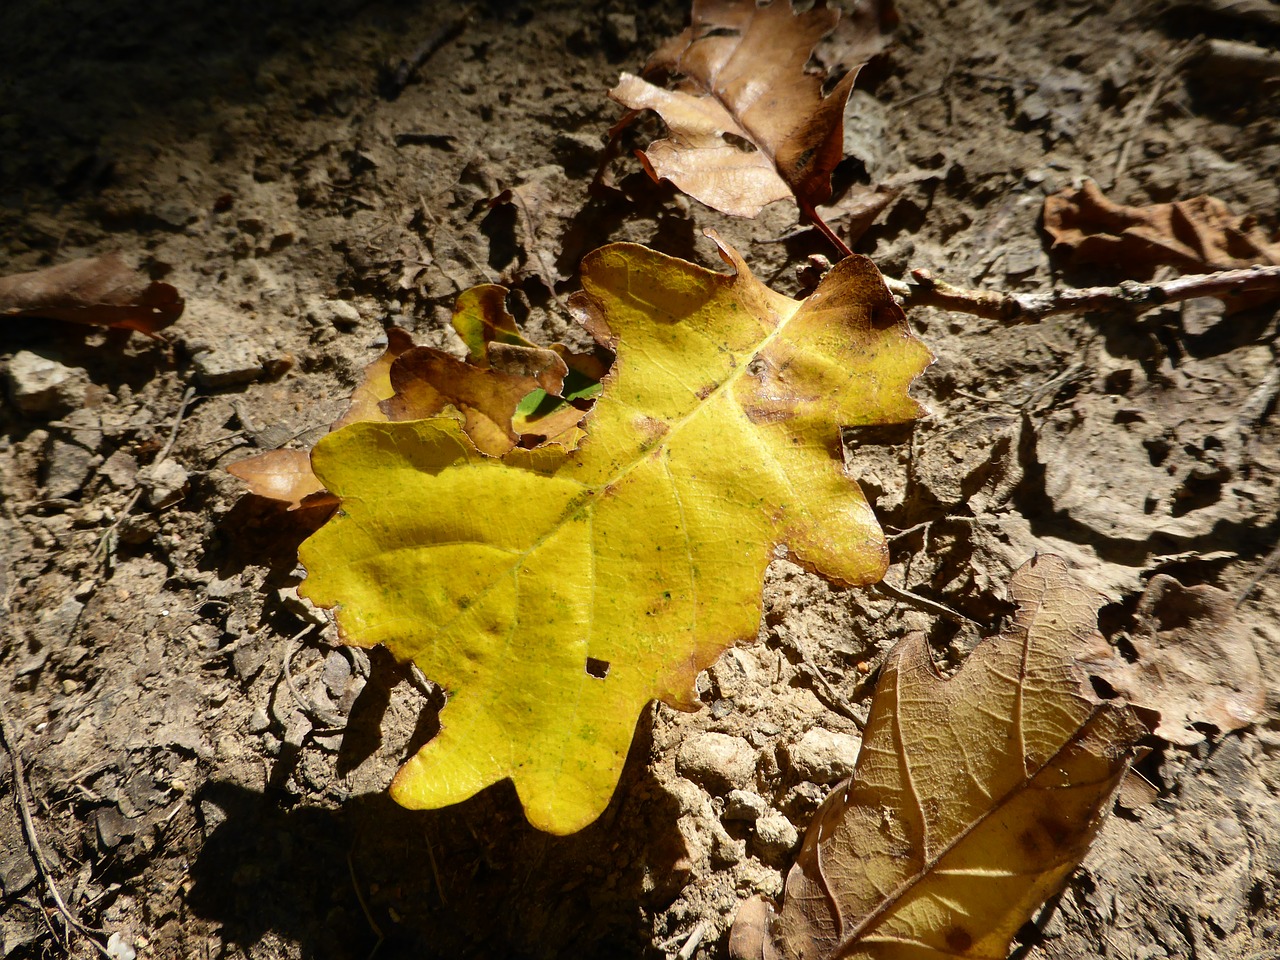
428	381
745	83
973	798
104	291
553	592
283	475
375	382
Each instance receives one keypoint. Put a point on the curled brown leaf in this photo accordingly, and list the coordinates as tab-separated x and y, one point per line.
748	124
103	291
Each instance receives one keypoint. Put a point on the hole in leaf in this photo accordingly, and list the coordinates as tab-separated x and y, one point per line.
597	668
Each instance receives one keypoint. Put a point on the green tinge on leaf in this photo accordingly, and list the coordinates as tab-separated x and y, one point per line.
715	438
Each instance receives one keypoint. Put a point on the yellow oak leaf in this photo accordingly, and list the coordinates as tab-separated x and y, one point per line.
553	592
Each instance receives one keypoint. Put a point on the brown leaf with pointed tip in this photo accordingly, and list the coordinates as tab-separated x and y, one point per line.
103	291
745	82
1199	235
1196	664
973	798
283	475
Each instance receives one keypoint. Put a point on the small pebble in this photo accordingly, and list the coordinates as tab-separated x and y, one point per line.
40	386
776	837
165	483
259	722
67	468
234	361
744	805
716	761
620	30
342	314
822	756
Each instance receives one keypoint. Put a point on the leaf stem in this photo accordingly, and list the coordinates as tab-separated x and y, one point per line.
812	214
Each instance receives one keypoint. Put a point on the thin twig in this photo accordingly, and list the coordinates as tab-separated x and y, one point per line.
107	535
364	906
925	290
1273	561
695	938
332	723
834	700
33	840
934	606
399	74
1157	91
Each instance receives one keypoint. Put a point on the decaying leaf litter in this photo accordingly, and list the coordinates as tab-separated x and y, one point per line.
806	623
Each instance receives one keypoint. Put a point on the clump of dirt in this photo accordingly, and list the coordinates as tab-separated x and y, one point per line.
206	765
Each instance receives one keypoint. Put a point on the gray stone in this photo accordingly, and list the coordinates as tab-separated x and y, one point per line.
734	674
776	837
343	314
725	851
744	805
716	761
55	627
259	722
822	756
620	29
121	469
67	468
336	673
39	386
232	362
165	483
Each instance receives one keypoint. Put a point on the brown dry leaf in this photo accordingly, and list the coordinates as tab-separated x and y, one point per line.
1199	235
488	393
1196	664
375	384
745	84
973	798
428	381
283	475
103	291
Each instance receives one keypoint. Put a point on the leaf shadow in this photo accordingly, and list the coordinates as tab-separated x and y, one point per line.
469	880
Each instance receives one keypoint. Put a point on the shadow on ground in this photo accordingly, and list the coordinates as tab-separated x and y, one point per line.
470	880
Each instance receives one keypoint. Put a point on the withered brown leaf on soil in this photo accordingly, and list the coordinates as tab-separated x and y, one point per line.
489	392
1195	665
747	123
103	291
1199	235
973	798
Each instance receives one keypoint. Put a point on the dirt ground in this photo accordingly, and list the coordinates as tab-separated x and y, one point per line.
208	767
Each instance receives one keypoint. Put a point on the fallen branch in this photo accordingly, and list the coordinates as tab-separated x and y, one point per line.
925	290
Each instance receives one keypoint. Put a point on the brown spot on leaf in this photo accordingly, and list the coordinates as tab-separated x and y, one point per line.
959	939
